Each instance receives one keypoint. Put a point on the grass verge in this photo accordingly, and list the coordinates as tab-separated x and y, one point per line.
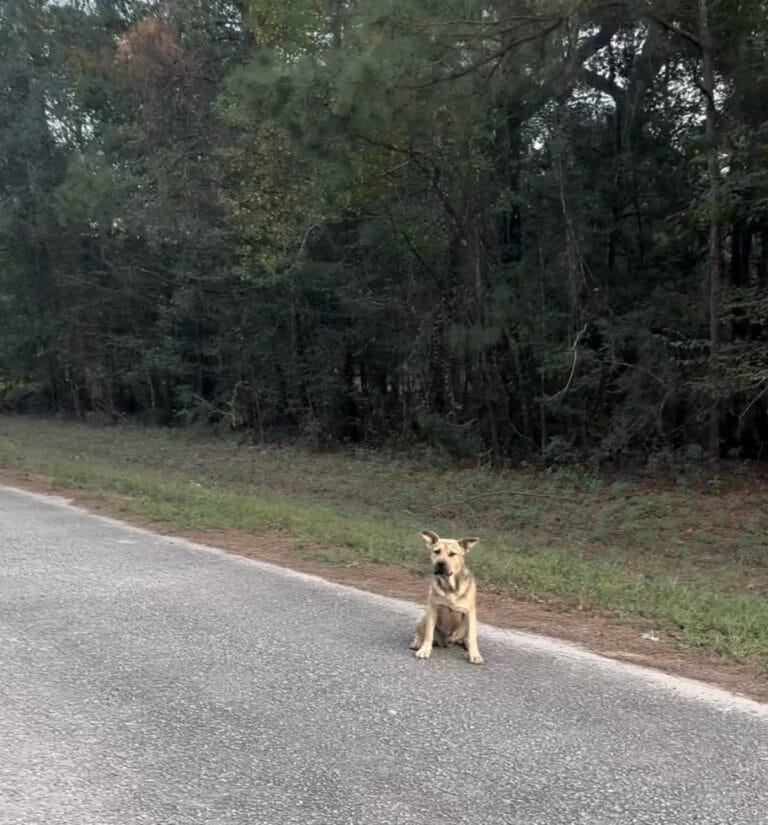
690	563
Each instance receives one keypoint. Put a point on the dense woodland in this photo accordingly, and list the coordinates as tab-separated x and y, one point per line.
510	230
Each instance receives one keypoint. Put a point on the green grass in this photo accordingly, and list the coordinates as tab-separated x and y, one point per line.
692	563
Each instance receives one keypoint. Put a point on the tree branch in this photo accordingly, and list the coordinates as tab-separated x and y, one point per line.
575	351
602	84
752	403
675	29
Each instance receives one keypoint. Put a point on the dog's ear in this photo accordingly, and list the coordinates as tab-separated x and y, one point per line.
430	538
466	544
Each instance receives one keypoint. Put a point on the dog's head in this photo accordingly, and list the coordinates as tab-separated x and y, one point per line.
447	554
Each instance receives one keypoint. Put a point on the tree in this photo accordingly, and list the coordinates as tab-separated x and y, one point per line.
483	227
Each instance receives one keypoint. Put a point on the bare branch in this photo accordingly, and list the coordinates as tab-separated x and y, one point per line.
303	244
575	351
752	403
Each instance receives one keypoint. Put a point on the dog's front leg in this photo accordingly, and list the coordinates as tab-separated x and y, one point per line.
430	619
419	634
473	654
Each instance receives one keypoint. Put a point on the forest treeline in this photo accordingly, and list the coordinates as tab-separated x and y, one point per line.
512	230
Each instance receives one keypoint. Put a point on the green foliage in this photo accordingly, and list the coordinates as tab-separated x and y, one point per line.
476	226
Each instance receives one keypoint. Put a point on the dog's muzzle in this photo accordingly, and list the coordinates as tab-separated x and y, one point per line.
440	569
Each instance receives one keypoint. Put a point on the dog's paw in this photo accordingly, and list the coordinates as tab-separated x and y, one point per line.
456	638
416	644
423	652
475	658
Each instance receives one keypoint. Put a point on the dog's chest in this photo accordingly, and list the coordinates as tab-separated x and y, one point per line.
450	593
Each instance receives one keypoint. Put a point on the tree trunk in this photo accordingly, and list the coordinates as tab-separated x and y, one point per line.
714	253
762	264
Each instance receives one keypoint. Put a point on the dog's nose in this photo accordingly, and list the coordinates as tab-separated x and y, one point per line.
441	568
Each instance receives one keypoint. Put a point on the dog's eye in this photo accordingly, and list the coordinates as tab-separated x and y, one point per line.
435	552
451	553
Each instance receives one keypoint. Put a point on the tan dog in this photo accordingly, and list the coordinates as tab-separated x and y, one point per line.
451	616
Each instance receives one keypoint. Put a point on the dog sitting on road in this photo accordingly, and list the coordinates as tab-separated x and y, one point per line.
451	615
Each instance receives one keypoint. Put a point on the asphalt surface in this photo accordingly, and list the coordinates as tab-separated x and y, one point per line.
145	680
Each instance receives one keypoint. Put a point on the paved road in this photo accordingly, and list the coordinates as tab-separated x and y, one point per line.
144	680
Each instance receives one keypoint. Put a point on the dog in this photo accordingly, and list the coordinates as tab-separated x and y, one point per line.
451	614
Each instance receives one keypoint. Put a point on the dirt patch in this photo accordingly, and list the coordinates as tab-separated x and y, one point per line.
599	634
